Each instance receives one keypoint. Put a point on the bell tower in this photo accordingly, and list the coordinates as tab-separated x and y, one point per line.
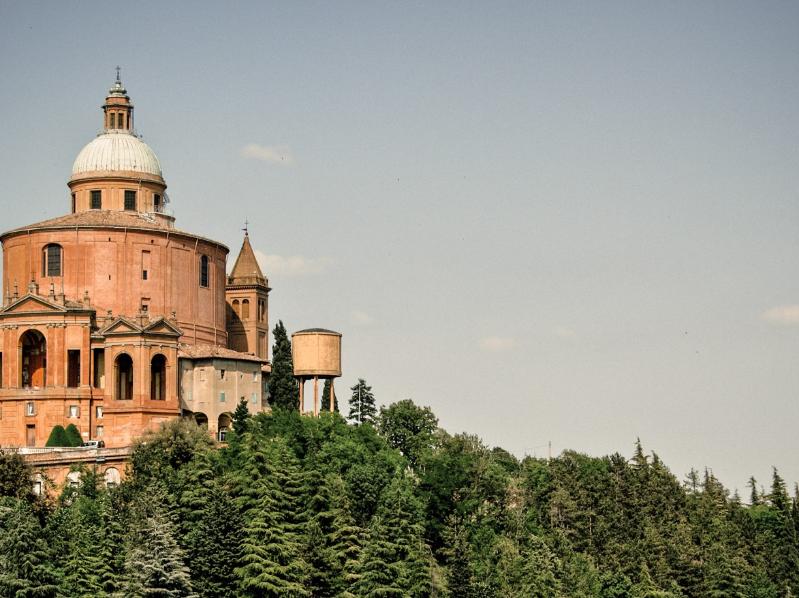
247	298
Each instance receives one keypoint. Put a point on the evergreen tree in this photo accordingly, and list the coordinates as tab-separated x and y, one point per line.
271	563
394	561
326	397
283	391
362	404
154	563
73	435
240	417
26	569
15	476
58	437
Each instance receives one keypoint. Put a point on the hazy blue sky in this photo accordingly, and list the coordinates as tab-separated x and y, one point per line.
575	222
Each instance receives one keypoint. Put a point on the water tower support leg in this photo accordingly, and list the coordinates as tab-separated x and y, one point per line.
332	396
301	382
316	395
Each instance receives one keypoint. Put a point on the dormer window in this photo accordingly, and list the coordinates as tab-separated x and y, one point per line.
51	260
130	200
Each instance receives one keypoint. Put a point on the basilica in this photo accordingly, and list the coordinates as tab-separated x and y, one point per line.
114	320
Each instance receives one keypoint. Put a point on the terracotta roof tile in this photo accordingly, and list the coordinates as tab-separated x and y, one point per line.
215	352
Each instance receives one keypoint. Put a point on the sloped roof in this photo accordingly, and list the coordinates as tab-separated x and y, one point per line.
246	270
109	219
215	352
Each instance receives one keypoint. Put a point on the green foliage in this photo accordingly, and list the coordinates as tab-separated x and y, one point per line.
15	476
408	428
58	437
26	562
73	435
283	391
241	417
362	404
313	506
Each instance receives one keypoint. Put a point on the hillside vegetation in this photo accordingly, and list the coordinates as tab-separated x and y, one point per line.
303	506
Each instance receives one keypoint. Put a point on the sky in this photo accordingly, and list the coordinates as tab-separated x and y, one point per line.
565	222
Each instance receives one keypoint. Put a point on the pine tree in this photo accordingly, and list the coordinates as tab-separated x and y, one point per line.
457	555
271	563
362	404
154	563
240	417
283	390
26	568
395	559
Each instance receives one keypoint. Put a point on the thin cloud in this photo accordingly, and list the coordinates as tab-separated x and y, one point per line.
782	314
276	154
497	344
361	318
292	265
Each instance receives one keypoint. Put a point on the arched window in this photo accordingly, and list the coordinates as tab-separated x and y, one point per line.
201	419
204	271
51	260
158	378
223	425
34	359
236	308
73	478
124	377
245	309
112	477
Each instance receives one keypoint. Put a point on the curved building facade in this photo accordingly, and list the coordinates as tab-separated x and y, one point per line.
113	319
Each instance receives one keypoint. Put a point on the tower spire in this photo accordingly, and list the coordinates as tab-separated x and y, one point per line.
117	110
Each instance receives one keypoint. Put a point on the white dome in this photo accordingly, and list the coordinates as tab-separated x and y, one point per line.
116	151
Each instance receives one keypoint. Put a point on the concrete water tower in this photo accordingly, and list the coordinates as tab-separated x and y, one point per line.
316	353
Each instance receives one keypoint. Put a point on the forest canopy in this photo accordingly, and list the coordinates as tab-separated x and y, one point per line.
304	506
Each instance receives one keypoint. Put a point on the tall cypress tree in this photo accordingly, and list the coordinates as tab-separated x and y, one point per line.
362	403
283	392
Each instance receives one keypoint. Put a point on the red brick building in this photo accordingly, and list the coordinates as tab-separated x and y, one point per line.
113	319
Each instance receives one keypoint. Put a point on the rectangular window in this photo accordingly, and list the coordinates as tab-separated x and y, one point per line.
221	397
98	381
98	431
254	398
145	305
52	260
73	368
98	412
145	264
97	200
73	203
221	374
113	120
74	412
255	376
122	120
202	374
130	200
156	202
30	408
